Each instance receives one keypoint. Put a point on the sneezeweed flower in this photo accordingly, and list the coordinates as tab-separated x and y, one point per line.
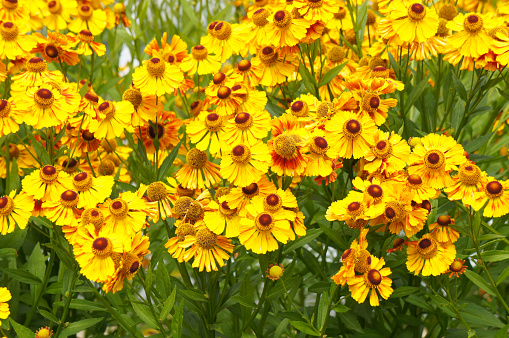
208	249
166	130
160	192
44	332
35	75
228	100
285	31
9	118
183	229
206	131
496	193
245	164
173	53
200	61
93	216
469	180
429	256
114	118
248	72
442	230
89	18
418	189
321	10
13	40
86	44
198	172
387	154
375	280
222	218
64	211
274	69
128	263
398	245
56	47
352	257
456	268
59	13
92	190
46	184
352	209
229	39
247	128
285	145
319	154
96	252
435	158
44	106
275	271
253	100
350	134
5	296
87	142
15	210
124	215
145	106
240	197
156	77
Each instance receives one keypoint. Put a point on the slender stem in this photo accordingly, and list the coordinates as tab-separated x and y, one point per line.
67	304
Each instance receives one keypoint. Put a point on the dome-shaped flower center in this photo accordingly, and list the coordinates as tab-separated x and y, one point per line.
213	122
86	36
394	211
196	158
102	247
118	208
131	263
434	159
260	17
473	24
5	108
85	12
241	154
36	65
107	167
108	109
181	191
275	272
286	145
206	238
469	174
156	67
44	98
210	28
346	254
355	209
370	102
196	107
272	202
363	262
199	52
182	205
223	30
69	199
54	7
336	54
416	12
398	242
224	92
88	136
156	191
134	267
13	151
92	97
352	129
414	179
282	19
82	181
10	4
456	266
244	65
52	51
444	220
6	205
152	132
218	78
251	190
340	14
375	191
427	248
319	145
48	174
426	205
134	96
373	278
382	149
264	222
185	229
225	209
494	189
268	55
448	12
9	31
94	216
119	8
299	109
243	121
195	211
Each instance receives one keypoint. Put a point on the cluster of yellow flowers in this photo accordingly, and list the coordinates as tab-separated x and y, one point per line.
234	185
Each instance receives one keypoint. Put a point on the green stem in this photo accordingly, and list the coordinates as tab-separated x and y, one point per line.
69	295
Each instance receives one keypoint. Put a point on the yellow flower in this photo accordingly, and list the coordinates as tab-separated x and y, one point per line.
13	41
156	77
145	106
36	74
496	193
285	31
228	39
46	184
376	279
275	271
58	14
9	118
114	118
388	153
247	128
272	67
469	180
92	190
198	172
5	296
223	217
316	10
206	131
319	154
183	229
86	42
200	61
63	211
245	164
125	214
429	256
89	18
419	190
240	197
15	210
442	230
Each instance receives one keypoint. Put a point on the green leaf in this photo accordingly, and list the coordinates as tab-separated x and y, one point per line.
281	328
476	315
85	305
404	291
274	110
80	325
143	312
193	295
503	276
244	301
8	253
477	143
36	266
178	319
350	320
420	302
308	78
168	305
495	255
22	276
190	12
319	287
49	316
457	116
21	331
310	236
305	327
503	332
331	74
334	235
460	88
323	310
416	93
41	152
340	308
168	162
480	282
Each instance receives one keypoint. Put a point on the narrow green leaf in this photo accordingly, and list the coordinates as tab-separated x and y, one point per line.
143	312
168	162
503	276
178	319
495	255
305	327
244	301
85	305
168	305
42	154
336	238
310	236
37	267
503	332
21	331
49	316
80	325
190	12
477	143
340	308
460	88
331	74
323	310
193	295
22	276
480	282
476	315
457	116
416	93
404	291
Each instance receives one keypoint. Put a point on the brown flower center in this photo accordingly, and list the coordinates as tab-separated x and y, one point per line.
352	129
427	248
494	189
434	159
264	222
196	158
156	67
206	238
